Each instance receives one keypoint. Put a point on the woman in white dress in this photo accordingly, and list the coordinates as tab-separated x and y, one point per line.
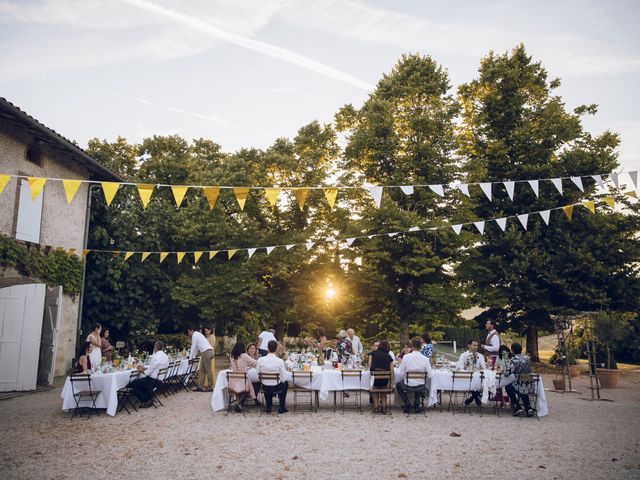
96	343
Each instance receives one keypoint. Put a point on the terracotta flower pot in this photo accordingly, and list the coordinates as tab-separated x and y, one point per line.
558	384
574	371
608	378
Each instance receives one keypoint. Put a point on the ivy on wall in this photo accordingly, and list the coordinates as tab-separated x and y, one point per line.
54	268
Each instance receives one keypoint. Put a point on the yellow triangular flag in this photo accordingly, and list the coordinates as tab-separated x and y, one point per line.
231	253
272	195
212	253
631	193
610	201
59	249
127	255
196	256
178	194
212	195
36	184
568	211
301	196
71	188
330	194
115	254
180	256
4	179
163	255
71	251
145	190
591	206
144	256
241	195
109	189
85	252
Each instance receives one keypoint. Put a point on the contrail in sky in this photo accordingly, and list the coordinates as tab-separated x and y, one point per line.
249	43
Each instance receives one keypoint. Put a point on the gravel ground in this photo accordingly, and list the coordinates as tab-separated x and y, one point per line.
579	439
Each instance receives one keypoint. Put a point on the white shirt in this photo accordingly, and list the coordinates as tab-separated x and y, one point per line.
356	344
467	354
272	364
494	346
199	343
393	355
156	361
266	337
414	362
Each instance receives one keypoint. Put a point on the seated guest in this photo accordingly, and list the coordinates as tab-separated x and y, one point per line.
241	362
252	350
143	387
519	364
272	364
413	362
471	361
427	345
406	349
83	365
380	360
344	346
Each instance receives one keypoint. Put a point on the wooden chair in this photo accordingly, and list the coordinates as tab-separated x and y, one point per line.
233	395
349	375
302	387
465	377
386	390
82	392
419	390
271	378
125	394
530	383
497	399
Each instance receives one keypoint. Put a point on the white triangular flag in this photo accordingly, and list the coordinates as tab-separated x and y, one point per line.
634	178
457	228
407	189
486	188
350	241
392	234
510	186
437	189
370	236
535	186
414	229
616	181
289	247
463	187
545	214
330	239
599	181
480	227
524	218
310	245
376	194
578	182
558	183
251	251
270	249
502	223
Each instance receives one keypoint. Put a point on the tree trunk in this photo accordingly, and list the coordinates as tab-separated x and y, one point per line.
404	331
532	343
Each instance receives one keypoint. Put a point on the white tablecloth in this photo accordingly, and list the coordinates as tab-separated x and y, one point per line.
108	384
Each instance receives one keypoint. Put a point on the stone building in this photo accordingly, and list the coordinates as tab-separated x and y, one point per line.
29	148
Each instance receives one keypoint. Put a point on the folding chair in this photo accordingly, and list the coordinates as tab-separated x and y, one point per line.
386	390
125	394
192	378
302	383
182	379
349	376
232	397
529	382
162	375
270	377
463	376
420	391
497	400
174	379
166	383
85	394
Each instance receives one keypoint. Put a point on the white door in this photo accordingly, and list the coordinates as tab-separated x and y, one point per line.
49	338
21	309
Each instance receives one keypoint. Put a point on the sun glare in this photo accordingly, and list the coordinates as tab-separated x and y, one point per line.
330	293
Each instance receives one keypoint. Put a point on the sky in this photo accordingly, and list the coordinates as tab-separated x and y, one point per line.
244	73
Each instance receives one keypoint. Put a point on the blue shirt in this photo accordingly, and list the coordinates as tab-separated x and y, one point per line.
427	350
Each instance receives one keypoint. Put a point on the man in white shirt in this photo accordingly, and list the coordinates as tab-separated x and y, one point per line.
492	343
272	364
200	345
356	344
143	387
471	360
263	341
413	362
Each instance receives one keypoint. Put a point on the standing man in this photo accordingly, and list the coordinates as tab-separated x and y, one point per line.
200	345
492	343
263	341
143	387
356	344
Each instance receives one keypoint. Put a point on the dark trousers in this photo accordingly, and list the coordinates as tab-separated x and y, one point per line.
263	353
404	390
514	398
475	396
143	388
280	389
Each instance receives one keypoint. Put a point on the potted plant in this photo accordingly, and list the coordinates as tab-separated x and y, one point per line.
609	328
574	369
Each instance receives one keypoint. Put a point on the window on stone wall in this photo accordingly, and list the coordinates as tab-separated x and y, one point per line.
28	214
34	154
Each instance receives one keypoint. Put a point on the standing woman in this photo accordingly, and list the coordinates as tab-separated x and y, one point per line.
107	348
209	333
96	343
